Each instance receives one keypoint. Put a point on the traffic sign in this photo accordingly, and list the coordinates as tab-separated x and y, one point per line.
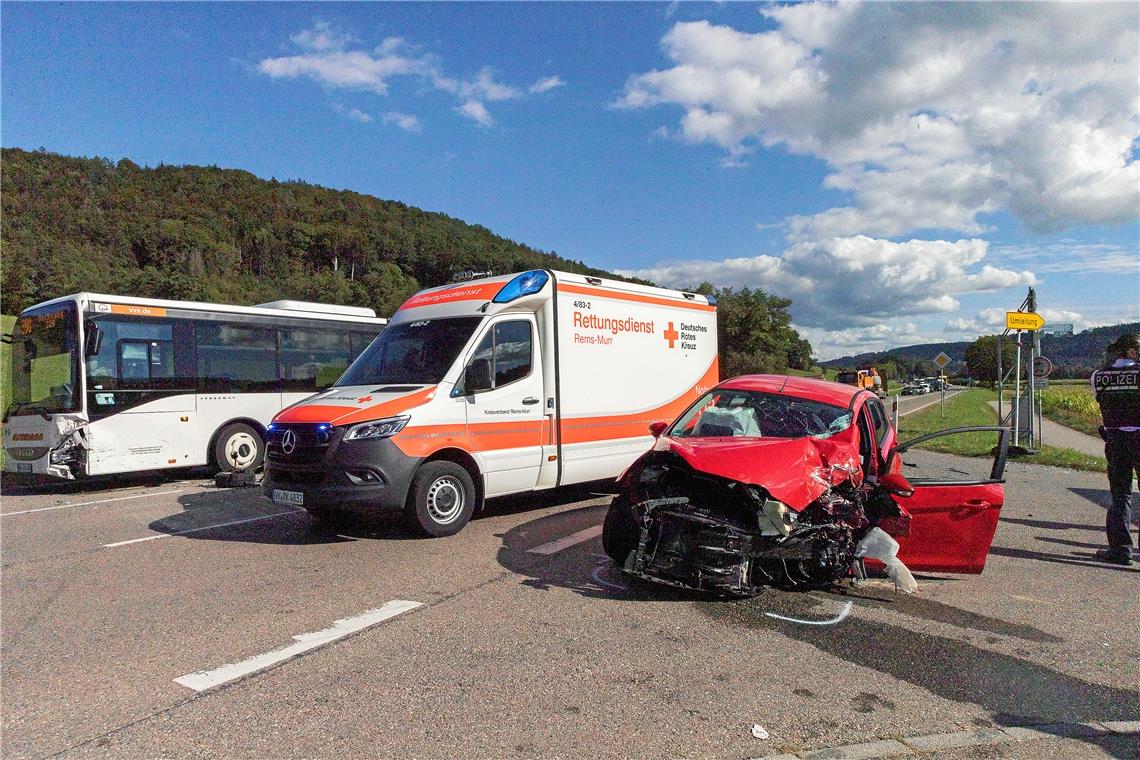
1023	320
1042	367
1041	383
942	360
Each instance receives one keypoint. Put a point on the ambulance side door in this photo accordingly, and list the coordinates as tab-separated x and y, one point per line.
505	422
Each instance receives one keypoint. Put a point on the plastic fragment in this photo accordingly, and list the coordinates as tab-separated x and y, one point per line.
877	544
759	731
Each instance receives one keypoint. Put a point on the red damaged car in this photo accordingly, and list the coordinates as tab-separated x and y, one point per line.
793	482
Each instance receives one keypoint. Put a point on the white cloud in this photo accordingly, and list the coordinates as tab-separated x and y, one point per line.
321	37
546	84
477	112
931	115
1070	256
325	57
404	121
992	320
357	115
859	281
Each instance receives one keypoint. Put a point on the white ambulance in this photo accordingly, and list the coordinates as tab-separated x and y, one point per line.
491	387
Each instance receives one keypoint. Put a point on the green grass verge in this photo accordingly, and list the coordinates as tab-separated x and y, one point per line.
6	323
1073	406
970	408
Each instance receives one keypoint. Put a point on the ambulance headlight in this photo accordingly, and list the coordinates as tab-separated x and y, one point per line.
370	431
526	284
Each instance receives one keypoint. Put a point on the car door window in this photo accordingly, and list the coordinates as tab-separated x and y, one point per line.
958	456
509	348
878	420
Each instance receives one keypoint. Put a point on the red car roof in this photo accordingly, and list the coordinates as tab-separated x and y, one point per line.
824	391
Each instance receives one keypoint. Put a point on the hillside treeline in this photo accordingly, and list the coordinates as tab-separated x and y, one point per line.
223	235
210	234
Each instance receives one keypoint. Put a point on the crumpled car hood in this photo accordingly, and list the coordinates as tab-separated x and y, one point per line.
795	471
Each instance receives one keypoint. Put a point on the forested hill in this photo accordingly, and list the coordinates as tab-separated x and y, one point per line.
210	234
1072	355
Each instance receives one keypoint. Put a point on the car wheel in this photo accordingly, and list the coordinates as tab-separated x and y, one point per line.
620	532
238	447
441	500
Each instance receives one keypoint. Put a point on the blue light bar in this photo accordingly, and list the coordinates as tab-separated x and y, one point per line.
525	284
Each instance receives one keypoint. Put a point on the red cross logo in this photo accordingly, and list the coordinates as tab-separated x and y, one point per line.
363	399
671	335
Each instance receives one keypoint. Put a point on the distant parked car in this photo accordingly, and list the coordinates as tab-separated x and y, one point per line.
914	389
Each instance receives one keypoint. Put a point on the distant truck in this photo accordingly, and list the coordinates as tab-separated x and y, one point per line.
495	386
864	377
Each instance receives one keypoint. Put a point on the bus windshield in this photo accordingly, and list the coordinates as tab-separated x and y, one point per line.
417	352
45	357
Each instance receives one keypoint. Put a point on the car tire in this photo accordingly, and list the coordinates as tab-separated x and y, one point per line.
441	499
620	532
238	447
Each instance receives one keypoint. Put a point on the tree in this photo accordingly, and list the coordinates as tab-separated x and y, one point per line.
754	332
981	357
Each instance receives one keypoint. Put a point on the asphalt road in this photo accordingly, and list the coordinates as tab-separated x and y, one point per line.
111	594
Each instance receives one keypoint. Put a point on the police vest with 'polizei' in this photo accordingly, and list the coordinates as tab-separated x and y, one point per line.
1118	393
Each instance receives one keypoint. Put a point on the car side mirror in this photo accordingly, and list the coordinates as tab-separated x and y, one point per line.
477	376
895	483
657	428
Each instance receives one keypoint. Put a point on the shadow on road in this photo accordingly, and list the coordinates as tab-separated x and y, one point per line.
1080	559
244	515
1016	692
14	486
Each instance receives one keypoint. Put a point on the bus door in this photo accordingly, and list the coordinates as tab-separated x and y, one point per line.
140	395
506	421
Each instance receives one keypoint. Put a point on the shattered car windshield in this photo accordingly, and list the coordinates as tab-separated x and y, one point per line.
726	413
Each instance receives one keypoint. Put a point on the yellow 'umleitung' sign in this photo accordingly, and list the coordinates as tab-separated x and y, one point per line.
1023	320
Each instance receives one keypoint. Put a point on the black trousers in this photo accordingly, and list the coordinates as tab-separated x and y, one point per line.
1122	450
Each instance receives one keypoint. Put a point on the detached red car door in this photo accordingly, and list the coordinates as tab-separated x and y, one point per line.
955	507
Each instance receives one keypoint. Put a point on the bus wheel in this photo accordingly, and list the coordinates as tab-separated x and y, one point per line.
441	499
238	447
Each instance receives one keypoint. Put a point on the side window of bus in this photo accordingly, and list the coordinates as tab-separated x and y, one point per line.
359	341
132	354
312	358
236	358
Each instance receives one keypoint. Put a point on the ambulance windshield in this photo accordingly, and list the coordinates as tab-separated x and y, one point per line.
417	352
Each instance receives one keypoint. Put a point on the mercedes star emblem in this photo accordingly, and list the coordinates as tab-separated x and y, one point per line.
289	442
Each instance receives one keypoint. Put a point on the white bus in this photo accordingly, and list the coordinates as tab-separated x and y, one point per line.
105	384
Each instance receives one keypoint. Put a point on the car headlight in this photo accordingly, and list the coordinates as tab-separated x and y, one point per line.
370	431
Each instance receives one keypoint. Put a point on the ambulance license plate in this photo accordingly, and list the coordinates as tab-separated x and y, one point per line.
289	497
23	468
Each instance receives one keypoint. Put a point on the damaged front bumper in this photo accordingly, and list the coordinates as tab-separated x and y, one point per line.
690	547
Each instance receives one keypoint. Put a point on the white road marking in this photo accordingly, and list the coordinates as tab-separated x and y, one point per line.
89	503
198	530
837	619
564	543
207	679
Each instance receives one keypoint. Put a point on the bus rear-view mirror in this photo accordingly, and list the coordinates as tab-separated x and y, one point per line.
94	339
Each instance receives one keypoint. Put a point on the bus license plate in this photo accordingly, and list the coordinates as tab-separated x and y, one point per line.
289	497
23	468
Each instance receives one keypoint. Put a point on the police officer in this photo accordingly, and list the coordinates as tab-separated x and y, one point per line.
1118	395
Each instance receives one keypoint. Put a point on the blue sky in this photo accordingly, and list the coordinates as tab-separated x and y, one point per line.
902	172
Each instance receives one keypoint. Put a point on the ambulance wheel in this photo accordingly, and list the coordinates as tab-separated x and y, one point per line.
620	533
441	499
238	447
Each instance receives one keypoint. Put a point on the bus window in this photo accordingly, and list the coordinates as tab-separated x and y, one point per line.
312	358
236	358
131	355
358	342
